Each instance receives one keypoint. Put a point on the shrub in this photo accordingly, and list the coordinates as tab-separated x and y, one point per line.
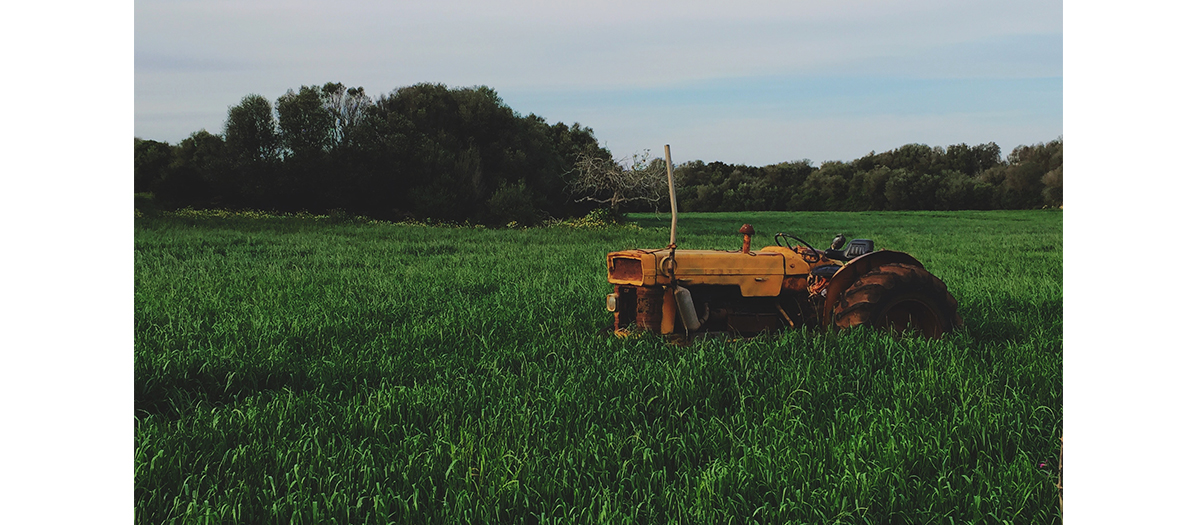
513	203
599	218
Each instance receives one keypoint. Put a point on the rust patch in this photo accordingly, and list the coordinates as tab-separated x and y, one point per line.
627	269
668	322
817	285
649	306
794	284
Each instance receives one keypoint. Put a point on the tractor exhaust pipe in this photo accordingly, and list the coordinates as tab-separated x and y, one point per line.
688	312
683	298
671	193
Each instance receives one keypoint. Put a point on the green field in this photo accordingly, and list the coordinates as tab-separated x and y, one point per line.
309	370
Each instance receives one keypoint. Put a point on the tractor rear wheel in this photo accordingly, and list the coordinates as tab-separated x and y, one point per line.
898	297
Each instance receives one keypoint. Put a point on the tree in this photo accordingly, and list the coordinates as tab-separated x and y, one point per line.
196	176
958	191
1053	191
252	144
306	180
347	108
572	141
609	181
1032	177
914	158
151	161
826	188
306	125
987	156
1022	187
250	134
867	189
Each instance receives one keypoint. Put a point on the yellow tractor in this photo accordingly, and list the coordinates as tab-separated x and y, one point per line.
787	285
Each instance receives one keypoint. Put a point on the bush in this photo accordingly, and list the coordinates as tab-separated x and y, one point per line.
600	218
145	204
513	203
1053	192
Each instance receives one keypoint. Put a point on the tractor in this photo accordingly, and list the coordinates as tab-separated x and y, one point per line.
790	284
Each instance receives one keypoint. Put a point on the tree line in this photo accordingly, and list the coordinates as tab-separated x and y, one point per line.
911	177
461	154
422	151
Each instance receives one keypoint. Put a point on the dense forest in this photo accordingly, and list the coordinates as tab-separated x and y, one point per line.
461	154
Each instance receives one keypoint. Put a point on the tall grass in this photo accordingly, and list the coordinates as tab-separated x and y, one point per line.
303	370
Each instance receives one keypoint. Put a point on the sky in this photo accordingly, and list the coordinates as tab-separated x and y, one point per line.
751	82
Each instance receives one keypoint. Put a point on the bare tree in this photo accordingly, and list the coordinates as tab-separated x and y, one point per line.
347	107
615	182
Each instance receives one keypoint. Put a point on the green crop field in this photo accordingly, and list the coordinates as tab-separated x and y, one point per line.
309	370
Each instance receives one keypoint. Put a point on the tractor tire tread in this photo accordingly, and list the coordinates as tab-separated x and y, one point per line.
861	303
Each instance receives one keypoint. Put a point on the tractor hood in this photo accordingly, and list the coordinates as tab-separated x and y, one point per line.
758	273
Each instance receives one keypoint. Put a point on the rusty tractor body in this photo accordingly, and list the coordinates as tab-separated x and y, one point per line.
672	291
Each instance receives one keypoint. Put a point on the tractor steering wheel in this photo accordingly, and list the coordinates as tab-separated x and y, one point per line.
813	257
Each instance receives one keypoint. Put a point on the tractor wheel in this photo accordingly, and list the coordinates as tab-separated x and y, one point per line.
898	297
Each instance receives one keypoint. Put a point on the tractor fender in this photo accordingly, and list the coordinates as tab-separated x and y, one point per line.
855	268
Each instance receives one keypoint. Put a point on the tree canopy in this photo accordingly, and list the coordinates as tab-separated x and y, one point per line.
461	154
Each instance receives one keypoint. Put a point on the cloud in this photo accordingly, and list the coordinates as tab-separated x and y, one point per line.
600	44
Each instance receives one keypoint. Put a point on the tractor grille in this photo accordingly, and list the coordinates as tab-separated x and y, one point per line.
627	270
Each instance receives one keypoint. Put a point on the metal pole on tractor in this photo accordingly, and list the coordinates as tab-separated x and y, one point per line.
671	192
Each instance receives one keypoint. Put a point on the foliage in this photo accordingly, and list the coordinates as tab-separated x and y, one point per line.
295	369
251	136
428	151
1053	191
145	205
347	107
305	123
197	174
513	204
912	177
599	218
151	163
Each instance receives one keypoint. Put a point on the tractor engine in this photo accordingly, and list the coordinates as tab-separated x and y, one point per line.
669	290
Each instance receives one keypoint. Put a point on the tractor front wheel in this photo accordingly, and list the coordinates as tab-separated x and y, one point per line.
898	297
